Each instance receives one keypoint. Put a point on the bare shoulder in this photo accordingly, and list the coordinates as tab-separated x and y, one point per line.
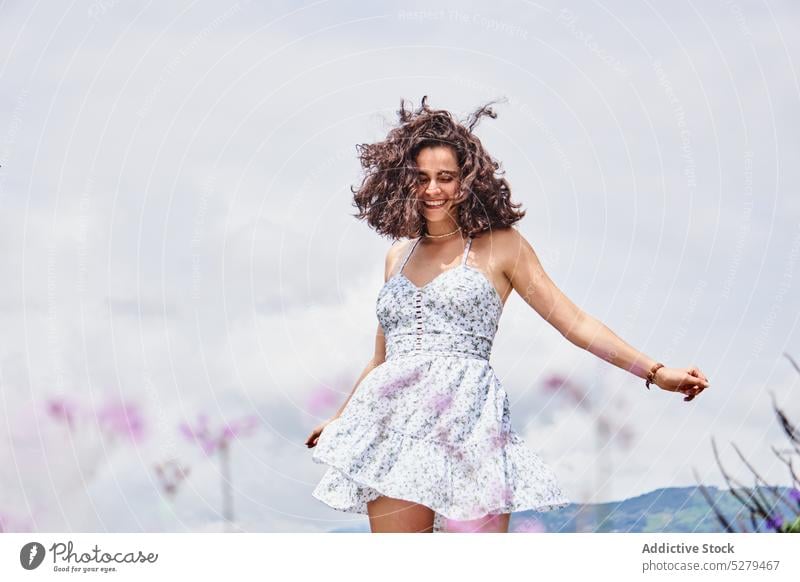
505	245
393	256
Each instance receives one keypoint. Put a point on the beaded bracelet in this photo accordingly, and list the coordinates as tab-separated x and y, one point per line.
652	374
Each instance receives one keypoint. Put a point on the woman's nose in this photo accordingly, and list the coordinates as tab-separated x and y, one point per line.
432	187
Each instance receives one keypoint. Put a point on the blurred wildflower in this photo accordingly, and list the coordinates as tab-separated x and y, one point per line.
389	389
754	500
219	441
121	419
559	384
170	474
775	522
200	433
62	410
322	399
9	524
441	402
530	525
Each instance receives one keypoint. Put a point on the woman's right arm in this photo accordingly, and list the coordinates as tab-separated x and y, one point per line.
377	359
379	356
380	349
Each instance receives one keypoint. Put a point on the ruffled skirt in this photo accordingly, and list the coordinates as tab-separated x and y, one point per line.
435	430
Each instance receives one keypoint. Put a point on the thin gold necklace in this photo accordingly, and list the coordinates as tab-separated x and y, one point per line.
442	235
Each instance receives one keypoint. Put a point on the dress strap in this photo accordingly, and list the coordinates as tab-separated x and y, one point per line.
408	255
466	251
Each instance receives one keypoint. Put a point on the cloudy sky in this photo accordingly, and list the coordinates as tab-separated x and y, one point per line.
177	235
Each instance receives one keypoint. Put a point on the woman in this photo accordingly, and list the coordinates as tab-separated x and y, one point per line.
425	434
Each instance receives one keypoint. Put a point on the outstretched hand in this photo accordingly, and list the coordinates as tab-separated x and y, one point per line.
688	381
313	438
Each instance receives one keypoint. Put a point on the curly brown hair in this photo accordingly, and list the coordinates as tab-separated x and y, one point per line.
386	197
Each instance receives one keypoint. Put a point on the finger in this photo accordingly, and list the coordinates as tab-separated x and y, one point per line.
698	374
696	392
704	380
695	381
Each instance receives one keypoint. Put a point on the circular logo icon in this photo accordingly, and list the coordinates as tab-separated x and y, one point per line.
31	555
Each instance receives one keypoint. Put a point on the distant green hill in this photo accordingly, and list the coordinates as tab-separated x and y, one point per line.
669	510
673	510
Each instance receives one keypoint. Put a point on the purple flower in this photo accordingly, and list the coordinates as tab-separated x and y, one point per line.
122	419
241	427
322	399
62	410
502	492
394	386
558	383
441	402
9	524
457	453
794	494
170	474
775	522
459	526
530	526
554	382
200	434
501	439
210	440
487	523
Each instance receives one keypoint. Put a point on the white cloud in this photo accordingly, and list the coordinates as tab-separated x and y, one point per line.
175	220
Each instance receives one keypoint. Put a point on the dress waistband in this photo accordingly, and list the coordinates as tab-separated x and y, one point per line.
456	344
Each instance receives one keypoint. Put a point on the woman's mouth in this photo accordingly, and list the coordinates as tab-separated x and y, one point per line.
433	203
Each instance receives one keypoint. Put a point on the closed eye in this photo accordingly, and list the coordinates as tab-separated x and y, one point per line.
422	178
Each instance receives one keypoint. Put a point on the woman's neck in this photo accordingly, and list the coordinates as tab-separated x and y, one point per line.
442	228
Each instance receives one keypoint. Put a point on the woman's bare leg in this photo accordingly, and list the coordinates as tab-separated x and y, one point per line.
389	515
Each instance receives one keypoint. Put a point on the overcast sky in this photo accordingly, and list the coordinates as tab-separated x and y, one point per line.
176	232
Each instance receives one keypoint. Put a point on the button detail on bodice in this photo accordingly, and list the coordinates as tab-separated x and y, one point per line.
455	313
418	318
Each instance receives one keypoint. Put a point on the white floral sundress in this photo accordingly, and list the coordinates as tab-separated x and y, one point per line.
431	424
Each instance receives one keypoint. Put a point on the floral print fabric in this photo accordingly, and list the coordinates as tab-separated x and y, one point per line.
432	423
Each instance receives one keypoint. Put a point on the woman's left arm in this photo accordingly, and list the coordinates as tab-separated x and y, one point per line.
529	279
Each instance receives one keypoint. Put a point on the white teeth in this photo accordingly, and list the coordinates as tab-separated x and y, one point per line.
434	204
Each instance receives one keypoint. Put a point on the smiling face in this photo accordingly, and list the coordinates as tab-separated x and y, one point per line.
437	186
